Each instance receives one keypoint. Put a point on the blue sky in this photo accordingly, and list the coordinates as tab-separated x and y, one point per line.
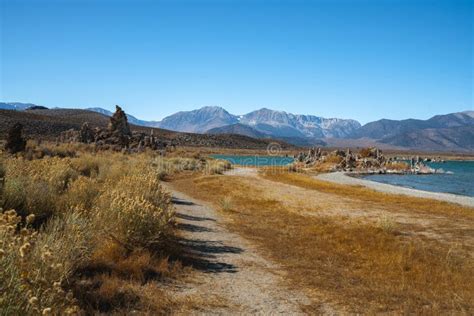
352	59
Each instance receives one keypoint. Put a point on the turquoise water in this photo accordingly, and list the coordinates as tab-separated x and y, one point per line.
459	180
255	161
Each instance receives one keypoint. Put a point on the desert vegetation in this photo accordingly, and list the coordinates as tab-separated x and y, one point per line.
87	231
356	265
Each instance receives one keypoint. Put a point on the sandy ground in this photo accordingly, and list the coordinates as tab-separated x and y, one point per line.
233	278
342	178
315	203
229	269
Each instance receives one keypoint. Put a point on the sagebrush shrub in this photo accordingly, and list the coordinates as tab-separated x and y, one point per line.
82	193
32	274
227	204
138	208
217	166
14	194
79	202
387	223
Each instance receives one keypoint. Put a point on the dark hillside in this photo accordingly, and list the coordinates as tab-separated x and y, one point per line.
48	124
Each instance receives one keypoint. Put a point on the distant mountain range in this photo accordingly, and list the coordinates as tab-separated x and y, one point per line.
453	131
388	128
15	106
237	128
450	132
260	123
199	121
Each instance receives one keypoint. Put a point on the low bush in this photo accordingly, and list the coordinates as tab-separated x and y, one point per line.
171	166
35	265
387	223
226	204
37	150
217	166
66	209
33	187
137	210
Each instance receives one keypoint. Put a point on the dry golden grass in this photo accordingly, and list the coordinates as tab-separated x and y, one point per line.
36	266
389	201
173	167
96	216
103	221
116	280
359	267
150	298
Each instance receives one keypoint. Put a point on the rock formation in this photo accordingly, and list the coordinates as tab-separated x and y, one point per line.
86	134
313	155
15	141
119	123
369	159
69	136
117	136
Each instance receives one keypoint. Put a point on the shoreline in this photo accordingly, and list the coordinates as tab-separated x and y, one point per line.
343	178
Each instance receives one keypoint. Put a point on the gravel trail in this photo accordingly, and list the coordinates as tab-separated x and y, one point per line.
229	267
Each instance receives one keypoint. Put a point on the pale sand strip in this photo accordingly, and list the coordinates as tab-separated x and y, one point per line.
342	178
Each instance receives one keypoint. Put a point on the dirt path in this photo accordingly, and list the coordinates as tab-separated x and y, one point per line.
232	270
229	268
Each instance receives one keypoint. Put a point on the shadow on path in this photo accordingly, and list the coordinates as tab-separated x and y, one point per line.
179	201
194	218
193	228
203	255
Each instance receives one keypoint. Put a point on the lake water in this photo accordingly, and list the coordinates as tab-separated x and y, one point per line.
460	181
255	161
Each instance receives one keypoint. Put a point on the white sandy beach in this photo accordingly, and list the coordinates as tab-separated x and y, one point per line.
342	178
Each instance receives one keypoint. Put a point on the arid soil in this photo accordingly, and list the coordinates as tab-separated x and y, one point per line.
242	273
230	272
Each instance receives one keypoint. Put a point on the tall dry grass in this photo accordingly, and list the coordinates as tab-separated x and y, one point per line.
176	167
59	213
